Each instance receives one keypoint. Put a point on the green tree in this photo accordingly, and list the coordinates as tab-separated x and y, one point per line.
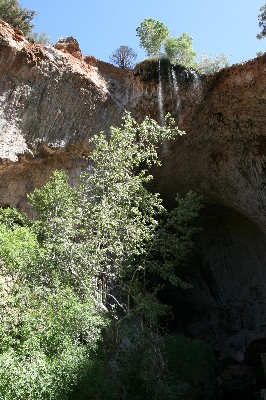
180	50
262	22
153	35
42	321
208	64
20	18
105	245
41	38
124	57
113	197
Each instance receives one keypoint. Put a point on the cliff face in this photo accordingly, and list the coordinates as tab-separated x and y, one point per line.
53	100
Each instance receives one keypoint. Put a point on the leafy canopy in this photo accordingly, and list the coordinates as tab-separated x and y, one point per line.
180	50
152	35
108	225
155	38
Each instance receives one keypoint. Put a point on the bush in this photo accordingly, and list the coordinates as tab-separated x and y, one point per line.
47	337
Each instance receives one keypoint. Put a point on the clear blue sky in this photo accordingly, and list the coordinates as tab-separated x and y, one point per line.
228	26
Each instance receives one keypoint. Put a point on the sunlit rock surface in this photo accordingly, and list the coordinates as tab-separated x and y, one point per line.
53	100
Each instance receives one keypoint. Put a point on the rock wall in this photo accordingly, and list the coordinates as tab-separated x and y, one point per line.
53	99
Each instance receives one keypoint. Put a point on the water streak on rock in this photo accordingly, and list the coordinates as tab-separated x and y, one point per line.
176	90
160	97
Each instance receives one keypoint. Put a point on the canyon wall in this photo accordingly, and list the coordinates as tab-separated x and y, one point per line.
52	100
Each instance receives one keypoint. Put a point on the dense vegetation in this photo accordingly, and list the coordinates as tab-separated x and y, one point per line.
157	41
21	18
80	315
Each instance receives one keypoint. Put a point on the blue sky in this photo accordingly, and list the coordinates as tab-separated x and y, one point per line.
228	26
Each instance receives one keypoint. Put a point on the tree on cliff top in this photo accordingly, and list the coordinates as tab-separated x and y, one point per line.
20	18
262	22
180	50
153	35
124	57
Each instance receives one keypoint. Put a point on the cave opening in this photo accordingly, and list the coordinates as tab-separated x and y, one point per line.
226	307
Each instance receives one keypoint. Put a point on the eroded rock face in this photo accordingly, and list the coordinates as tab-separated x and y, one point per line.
69	45
52	100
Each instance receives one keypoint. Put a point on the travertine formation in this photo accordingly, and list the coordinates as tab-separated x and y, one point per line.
52	100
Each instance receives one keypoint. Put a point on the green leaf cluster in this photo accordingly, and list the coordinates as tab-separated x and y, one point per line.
180	50
41	328
209	64
153	35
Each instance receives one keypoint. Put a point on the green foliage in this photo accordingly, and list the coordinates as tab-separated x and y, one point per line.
262	22
208	64
12	218
155	38
107	244
42	355
124	57
153	35
19	249
47	330
105	226
152	367
41	38
20	18
175	230
180	50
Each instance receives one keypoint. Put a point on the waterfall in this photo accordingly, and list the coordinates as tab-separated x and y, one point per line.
196	85
160	97
176	90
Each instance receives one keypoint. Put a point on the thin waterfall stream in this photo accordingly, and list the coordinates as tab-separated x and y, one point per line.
160	97
176	90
